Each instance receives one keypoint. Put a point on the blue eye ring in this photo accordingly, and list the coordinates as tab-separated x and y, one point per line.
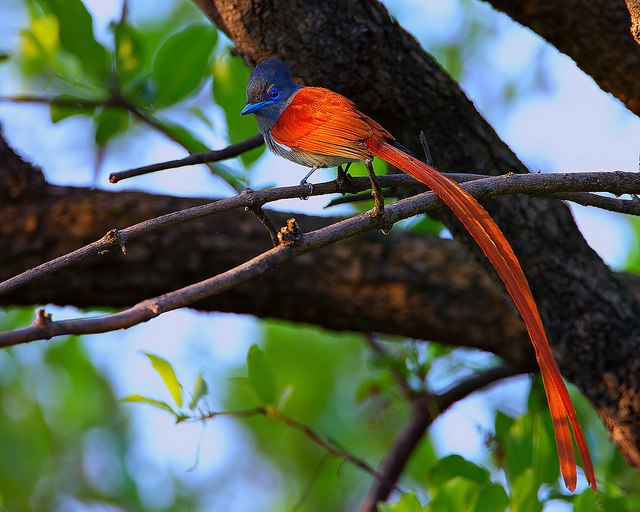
274	94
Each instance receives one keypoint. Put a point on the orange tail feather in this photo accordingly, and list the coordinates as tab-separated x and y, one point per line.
497	249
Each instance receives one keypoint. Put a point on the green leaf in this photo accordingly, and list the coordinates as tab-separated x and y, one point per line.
109	123
426	225
494	499
181	63
502	425
165	370
524	493
588	501
200	389
230	76
457	494
76	36
530	443
59	112
453	466
261	375
130	51
408	502
150	401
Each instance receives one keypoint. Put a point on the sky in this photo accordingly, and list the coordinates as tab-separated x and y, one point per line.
561	122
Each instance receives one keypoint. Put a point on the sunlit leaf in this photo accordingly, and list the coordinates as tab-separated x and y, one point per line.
165	370
182	62
150	401
200	389
261	375
129	54
45	31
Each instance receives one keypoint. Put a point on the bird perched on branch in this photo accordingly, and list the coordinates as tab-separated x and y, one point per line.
317	127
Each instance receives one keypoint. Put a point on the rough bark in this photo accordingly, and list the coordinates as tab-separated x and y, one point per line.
634	11
596	34
592	320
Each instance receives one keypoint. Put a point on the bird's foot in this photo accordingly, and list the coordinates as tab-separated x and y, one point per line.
304	182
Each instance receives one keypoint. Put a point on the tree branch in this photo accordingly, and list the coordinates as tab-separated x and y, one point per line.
617	182
424	410
402	209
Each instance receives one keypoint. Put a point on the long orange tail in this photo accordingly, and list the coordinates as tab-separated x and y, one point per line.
496	247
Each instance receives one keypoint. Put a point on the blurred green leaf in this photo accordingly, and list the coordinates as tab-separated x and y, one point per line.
261	375
530	442
588	501
182	136
502	424
494	499
165	370
200	389
59	112
181	63
632	263
230	77
426	225
129	52
189	141
453	466
150	401
43	36
408	502
463	495
76	36
524	493
109	123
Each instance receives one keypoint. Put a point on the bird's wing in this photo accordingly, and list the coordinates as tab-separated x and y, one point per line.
324	122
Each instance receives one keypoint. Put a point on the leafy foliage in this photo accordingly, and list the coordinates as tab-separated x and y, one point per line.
138	77
63	438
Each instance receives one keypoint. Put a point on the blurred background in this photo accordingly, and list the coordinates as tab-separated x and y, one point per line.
67	444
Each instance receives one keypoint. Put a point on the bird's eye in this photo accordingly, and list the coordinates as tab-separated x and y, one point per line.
274	94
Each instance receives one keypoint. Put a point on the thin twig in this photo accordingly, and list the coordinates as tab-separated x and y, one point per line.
198	158
423	407
330	447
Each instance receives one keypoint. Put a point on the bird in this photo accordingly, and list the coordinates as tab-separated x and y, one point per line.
317	127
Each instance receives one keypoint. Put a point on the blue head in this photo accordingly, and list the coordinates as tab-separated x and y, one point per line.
269	91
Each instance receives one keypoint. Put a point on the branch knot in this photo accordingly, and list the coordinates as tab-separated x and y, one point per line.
290	234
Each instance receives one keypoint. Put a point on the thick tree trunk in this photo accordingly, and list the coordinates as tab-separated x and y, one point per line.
592	320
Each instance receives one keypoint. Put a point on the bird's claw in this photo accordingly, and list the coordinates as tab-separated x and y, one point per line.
310	185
